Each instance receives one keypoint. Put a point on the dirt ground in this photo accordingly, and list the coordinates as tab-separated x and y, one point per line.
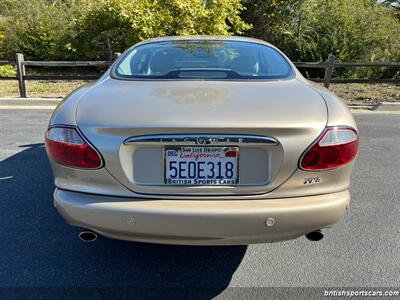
365	93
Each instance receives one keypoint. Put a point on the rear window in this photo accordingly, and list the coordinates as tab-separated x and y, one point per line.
203	60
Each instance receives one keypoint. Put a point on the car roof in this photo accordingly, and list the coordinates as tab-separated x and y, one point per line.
204	38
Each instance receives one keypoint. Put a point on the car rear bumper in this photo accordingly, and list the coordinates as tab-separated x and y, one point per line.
201	222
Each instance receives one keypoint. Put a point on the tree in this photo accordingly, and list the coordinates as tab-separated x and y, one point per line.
273	20
93	29
308	30
121	23
38	28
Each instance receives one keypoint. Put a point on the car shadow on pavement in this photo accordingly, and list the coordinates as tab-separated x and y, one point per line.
38	249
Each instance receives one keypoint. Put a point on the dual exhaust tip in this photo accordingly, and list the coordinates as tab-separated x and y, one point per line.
87	236
315	236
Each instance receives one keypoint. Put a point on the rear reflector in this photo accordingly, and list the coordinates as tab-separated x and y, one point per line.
336	147
66	146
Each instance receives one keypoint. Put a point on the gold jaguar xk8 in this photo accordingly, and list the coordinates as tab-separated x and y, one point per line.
202	140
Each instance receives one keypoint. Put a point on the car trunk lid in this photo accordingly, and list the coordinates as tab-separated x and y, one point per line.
287	111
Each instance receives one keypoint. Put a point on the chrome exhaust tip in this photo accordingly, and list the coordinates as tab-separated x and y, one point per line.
87	236
315	236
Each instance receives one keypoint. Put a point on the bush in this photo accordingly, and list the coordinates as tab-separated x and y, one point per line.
114	25
8	71
308	30
93	29
39	29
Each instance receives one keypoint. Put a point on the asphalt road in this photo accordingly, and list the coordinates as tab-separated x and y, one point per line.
38	249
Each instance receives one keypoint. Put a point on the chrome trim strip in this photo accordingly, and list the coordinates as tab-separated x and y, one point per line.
202	139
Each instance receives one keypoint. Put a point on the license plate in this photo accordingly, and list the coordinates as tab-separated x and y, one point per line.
201	165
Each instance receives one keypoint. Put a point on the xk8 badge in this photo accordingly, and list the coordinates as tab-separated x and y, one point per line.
312	180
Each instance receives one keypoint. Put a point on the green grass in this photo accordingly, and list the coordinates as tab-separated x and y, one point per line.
354	93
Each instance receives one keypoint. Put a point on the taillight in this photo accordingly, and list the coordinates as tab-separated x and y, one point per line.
66	146
337	146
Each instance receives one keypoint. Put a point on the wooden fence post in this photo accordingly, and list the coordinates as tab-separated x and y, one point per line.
19	58
116	55
330	65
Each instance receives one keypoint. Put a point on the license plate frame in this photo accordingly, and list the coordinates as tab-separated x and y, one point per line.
217	181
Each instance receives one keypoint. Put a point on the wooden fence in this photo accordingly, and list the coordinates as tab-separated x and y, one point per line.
329	66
